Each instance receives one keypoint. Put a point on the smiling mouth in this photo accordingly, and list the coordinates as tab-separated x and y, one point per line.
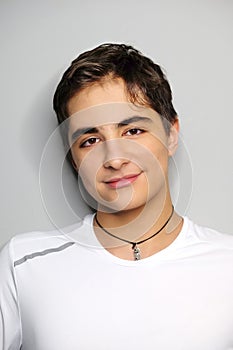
123	181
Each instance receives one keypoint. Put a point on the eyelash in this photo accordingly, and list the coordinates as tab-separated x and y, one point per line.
84	144
97	139
135	129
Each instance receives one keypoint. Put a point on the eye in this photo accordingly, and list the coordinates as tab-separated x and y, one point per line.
89	142
134	131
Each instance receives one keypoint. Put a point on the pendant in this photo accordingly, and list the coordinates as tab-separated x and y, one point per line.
136	252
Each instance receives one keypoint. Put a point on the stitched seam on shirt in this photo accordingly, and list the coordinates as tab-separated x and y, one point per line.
11	252
42	253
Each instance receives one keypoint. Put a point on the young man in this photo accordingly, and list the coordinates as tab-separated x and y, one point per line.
134	275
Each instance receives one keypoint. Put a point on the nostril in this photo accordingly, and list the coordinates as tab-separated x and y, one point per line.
115	163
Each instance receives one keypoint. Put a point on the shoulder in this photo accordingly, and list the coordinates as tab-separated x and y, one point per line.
41	242
210	236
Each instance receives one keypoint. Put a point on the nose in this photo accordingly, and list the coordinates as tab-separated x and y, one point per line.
115	154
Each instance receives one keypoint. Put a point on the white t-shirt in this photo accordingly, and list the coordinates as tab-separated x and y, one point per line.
63	291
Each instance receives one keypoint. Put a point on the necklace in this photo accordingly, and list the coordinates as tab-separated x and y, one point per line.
136	250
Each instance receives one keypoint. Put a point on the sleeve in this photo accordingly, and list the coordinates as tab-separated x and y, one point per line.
10	322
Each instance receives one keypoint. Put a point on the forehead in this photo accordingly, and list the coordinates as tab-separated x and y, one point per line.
112	113
106	91
105	103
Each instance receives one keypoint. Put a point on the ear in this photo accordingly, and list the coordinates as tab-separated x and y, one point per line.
173	137
74	165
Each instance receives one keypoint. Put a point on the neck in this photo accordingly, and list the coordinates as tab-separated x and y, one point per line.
144	217
137	224
135	244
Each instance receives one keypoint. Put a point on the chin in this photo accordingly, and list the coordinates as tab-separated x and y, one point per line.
121	207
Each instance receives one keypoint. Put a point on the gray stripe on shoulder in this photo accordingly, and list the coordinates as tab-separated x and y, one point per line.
42	253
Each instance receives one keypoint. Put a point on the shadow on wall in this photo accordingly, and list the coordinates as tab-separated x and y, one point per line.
42	148
37	126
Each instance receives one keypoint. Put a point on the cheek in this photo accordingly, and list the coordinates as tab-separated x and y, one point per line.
88	165
158	150
156	167
82	158
163	158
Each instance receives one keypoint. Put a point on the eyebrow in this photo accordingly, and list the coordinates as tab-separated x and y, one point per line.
92	130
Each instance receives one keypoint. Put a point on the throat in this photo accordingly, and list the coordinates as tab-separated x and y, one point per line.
128	241
147	249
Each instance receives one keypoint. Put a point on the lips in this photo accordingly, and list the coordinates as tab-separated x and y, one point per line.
122	181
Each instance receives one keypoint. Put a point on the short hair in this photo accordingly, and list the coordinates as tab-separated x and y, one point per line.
145	82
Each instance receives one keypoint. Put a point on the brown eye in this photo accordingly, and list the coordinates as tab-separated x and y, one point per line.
91	141
134	131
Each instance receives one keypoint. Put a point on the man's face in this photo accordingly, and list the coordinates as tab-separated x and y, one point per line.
119	149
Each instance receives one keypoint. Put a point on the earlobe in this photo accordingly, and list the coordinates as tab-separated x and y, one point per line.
173	137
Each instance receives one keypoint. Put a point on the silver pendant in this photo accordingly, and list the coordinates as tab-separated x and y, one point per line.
136	252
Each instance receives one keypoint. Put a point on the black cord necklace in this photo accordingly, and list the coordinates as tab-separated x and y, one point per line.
136	250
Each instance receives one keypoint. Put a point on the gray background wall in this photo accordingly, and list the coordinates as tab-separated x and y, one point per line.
192	40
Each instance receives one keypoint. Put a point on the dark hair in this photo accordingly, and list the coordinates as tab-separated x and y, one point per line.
145	81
